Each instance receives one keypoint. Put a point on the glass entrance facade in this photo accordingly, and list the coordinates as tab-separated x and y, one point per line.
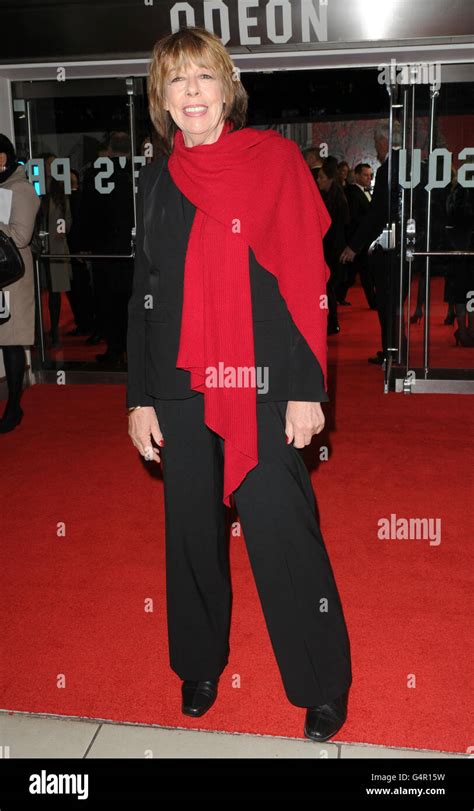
84	141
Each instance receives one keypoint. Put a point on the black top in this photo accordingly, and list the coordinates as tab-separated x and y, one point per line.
359	205
334	240
164	220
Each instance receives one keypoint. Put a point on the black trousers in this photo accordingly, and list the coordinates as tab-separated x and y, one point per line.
293	575
387	291
360	265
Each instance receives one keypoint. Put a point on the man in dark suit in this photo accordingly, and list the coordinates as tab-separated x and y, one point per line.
370	229
358	198
107	222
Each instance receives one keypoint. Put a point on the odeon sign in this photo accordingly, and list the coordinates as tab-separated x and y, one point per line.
279	20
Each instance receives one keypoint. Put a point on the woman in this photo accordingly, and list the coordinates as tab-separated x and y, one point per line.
202	304
19	330
57	220
459	230
343	171
335	238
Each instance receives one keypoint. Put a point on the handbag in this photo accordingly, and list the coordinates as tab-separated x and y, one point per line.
5	313
12	266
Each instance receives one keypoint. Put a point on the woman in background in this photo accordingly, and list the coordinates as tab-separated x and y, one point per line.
57	219
19	330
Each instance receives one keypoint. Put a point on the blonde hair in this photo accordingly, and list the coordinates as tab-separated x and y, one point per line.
176	50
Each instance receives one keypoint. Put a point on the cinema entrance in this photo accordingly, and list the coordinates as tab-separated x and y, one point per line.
68	124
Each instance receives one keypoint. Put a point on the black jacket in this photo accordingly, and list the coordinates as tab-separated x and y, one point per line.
377	214
106	220
335	239
358	207
164	220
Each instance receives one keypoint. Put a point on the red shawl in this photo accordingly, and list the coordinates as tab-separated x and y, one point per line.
250	188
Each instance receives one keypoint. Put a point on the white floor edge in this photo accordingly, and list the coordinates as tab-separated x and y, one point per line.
338	743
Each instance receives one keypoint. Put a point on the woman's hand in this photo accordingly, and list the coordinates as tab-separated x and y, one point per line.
303	420
348	255
142	425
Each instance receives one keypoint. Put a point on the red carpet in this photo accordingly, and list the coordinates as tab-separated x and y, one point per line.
78	640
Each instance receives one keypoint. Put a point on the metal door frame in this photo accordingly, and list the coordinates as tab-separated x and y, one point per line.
403	377
130	93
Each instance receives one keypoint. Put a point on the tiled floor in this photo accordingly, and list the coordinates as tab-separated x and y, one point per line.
23	735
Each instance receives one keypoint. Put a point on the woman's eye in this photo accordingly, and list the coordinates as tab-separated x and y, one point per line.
203	75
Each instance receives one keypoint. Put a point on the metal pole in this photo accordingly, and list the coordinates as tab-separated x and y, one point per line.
402	240
433	94
131	111
387	370
390	141
85	256
440	253
35	259
410	259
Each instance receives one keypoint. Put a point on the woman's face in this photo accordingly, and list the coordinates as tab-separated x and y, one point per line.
343	173
194	97
3	160
324	182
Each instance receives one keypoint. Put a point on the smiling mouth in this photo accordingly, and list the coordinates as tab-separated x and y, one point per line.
195	109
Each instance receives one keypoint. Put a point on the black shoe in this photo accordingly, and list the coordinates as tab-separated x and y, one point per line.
377	359
198	696
344	303
333	330
10	421
323	721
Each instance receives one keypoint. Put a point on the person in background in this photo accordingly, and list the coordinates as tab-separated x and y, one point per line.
56	274
117	221
335	238
370	228
19	330
106	231
90	223
313	159
80	295
358	198
459	229
343	170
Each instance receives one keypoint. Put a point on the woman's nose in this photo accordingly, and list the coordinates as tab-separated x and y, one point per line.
192	86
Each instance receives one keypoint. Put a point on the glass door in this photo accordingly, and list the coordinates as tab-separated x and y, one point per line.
84	142
430	262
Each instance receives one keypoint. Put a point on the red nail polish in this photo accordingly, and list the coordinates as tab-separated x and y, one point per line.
161	442
287	439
